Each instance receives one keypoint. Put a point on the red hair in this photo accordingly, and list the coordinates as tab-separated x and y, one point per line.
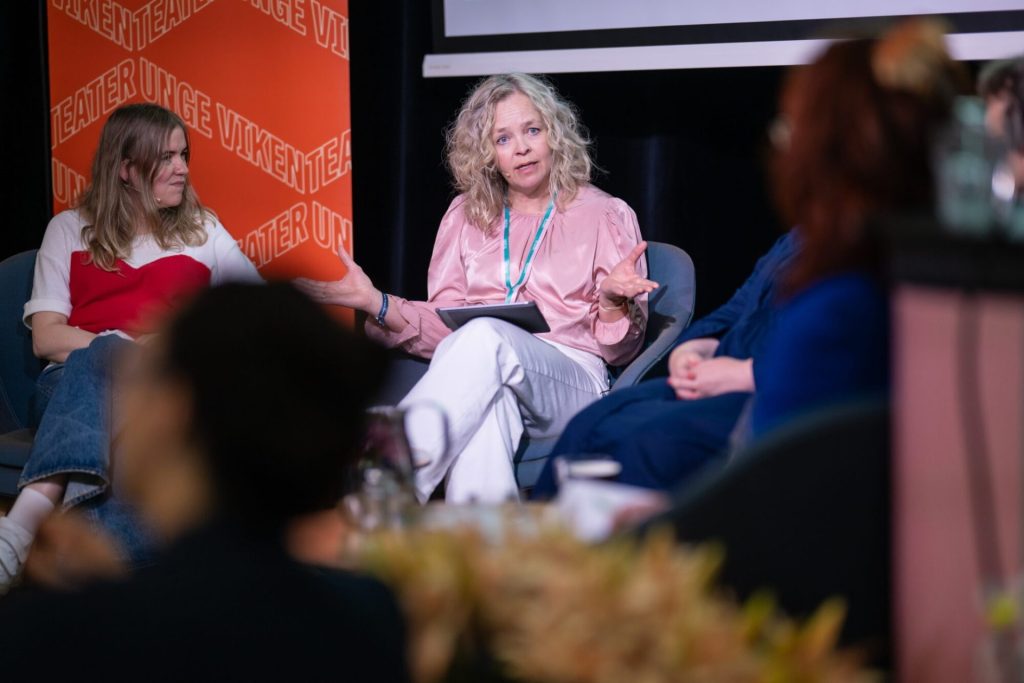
861	121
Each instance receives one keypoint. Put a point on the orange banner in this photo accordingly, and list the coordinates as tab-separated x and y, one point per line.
264	88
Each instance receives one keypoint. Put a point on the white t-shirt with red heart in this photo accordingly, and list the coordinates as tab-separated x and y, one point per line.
142	290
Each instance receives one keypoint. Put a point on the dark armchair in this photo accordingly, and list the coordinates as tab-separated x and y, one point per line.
805	513
19	369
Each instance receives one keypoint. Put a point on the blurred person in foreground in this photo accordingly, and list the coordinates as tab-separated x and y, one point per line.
527	226
861	123
804	512
1001	86
854	146
223	458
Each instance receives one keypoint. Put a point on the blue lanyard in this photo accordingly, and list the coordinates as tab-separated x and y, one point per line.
512	289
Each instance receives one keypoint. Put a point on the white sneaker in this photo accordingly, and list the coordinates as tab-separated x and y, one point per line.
14	544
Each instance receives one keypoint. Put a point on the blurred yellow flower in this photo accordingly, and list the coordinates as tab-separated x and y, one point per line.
548	608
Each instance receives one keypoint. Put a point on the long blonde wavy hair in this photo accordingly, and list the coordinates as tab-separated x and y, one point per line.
470	150
113	208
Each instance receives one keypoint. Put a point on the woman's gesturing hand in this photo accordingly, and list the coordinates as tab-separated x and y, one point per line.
355	290
623	282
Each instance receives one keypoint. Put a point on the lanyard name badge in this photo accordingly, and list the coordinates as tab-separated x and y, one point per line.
512	290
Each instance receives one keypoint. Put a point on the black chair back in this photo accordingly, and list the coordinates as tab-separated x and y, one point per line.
805	513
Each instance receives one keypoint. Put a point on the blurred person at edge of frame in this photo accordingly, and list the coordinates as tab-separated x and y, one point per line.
1001	86
222	458
854	143
862	120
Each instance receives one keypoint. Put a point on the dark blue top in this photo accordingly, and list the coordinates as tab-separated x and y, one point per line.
742	324
830	343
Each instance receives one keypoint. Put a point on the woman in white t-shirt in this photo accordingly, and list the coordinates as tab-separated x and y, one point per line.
137	244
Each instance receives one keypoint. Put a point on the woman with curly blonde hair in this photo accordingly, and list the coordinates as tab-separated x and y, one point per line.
470	148
526	226
108	270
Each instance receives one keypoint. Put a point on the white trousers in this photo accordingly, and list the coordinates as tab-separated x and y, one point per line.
494	381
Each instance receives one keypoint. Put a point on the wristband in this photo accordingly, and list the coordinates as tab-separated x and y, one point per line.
611	308
383	313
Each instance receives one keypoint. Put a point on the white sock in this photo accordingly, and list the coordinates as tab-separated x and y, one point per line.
14	544
31	508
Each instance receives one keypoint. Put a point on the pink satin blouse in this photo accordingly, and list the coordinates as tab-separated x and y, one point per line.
584	241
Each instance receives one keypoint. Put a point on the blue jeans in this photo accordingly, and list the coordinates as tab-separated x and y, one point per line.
73	439
660	441
46	384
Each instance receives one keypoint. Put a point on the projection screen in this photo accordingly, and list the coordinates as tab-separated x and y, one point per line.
477	37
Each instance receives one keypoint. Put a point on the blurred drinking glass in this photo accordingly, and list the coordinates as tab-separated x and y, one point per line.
385	493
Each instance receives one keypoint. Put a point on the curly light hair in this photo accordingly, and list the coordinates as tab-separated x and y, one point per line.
470	150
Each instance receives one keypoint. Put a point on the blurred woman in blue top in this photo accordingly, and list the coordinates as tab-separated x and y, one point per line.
855	140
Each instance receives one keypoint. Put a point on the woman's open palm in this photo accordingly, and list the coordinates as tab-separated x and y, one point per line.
623	281
355	290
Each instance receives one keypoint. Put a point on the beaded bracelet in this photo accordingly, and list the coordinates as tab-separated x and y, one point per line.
383	313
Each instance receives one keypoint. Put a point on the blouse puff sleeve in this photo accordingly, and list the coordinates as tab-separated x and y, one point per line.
446	286
619	341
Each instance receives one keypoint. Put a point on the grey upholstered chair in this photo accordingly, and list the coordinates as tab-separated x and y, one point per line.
670	307
19	369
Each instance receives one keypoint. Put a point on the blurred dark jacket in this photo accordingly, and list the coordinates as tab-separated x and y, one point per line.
223	604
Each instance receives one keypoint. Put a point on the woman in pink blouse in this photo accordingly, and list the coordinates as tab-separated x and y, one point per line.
527	226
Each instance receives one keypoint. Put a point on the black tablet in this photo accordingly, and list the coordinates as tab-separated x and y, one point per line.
524	315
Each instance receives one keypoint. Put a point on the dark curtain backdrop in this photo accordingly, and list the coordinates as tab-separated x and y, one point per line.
686	149
25	124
